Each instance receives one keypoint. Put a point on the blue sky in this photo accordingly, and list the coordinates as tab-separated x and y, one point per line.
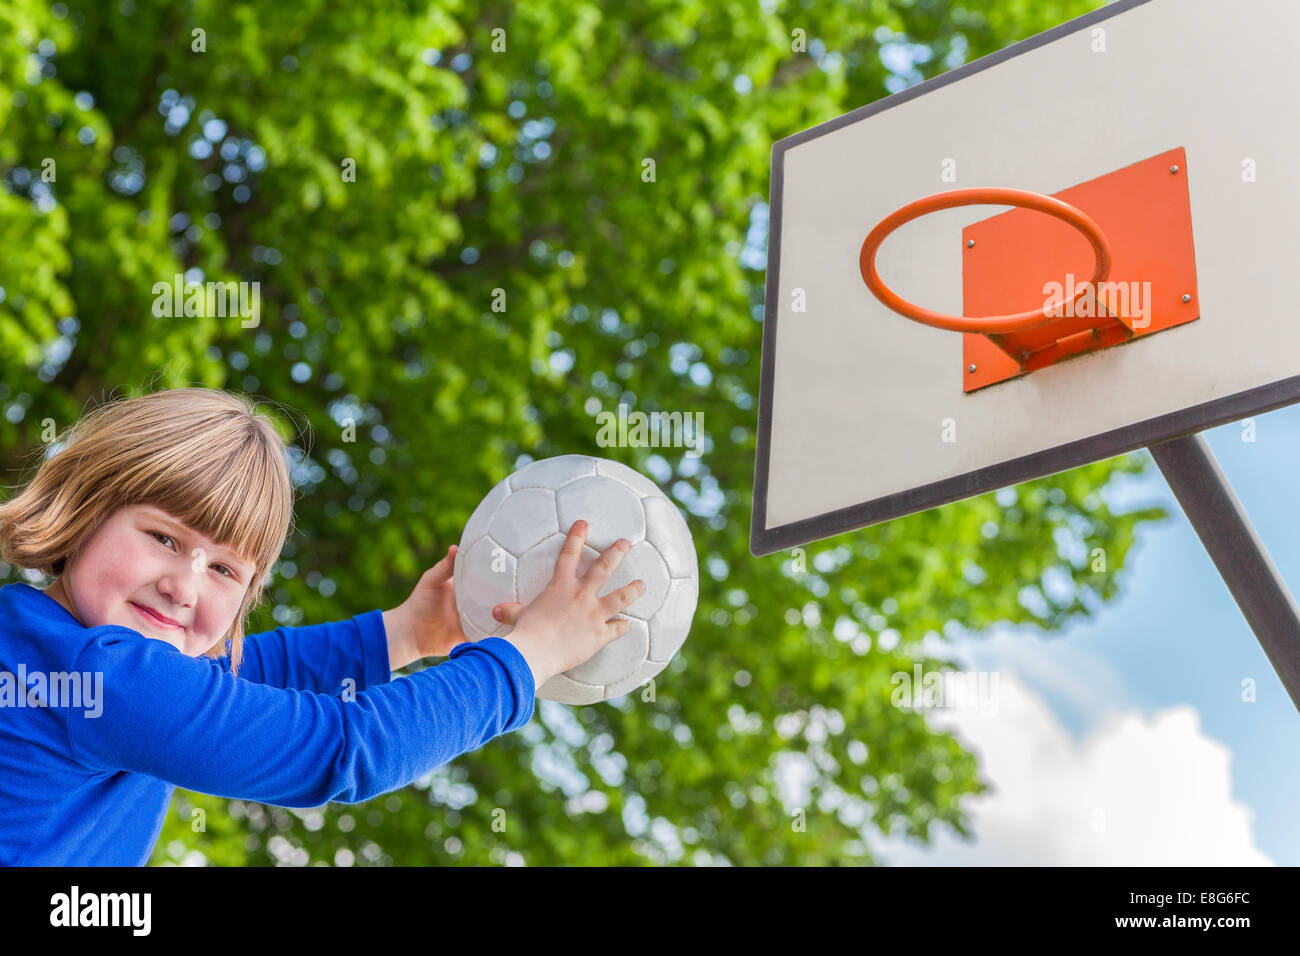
1178	637
1141	705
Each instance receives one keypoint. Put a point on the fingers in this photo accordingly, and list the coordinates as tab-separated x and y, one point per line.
507	613
603	566
616	629
566	565
445	568
616	600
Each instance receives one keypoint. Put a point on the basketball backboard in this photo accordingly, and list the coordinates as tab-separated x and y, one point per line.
1164	119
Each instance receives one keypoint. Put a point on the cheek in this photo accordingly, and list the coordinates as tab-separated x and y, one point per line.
221	604
137	550
116	572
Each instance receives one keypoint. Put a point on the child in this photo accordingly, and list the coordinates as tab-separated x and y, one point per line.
161	517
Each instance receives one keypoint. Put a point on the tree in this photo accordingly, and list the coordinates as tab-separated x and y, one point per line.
465	253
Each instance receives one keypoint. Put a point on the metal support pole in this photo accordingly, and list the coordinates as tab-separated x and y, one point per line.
1209	502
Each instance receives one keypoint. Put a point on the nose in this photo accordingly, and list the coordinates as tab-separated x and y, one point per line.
180	586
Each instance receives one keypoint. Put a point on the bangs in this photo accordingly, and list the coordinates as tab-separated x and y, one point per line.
235	499
225	478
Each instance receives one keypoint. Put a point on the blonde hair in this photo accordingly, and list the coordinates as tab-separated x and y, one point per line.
209	457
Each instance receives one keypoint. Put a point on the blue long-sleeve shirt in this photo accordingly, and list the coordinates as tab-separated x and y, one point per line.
86	780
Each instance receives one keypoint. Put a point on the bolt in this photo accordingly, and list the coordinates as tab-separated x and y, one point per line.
970	243
1024	354
971	367
1173	169
1186	297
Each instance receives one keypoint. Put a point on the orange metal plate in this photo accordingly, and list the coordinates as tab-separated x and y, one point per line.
1144	210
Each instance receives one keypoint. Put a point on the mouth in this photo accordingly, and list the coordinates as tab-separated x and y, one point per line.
152	615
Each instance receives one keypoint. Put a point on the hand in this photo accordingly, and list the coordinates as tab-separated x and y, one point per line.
426	624
567	623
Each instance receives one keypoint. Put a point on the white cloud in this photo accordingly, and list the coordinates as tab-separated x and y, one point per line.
1069	671
1136	792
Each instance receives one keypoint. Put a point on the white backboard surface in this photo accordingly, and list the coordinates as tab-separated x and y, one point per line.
855	397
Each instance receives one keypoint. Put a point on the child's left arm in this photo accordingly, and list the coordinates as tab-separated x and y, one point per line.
321	658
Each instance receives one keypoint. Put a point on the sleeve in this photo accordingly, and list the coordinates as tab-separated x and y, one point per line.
181	720
319	657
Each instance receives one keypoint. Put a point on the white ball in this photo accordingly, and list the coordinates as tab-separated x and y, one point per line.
511	541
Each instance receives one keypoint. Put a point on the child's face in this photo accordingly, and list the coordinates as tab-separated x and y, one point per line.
143	557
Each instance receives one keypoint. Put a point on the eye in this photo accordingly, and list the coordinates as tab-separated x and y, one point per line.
158	535
228	573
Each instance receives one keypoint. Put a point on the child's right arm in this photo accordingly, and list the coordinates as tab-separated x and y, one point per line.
182	720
